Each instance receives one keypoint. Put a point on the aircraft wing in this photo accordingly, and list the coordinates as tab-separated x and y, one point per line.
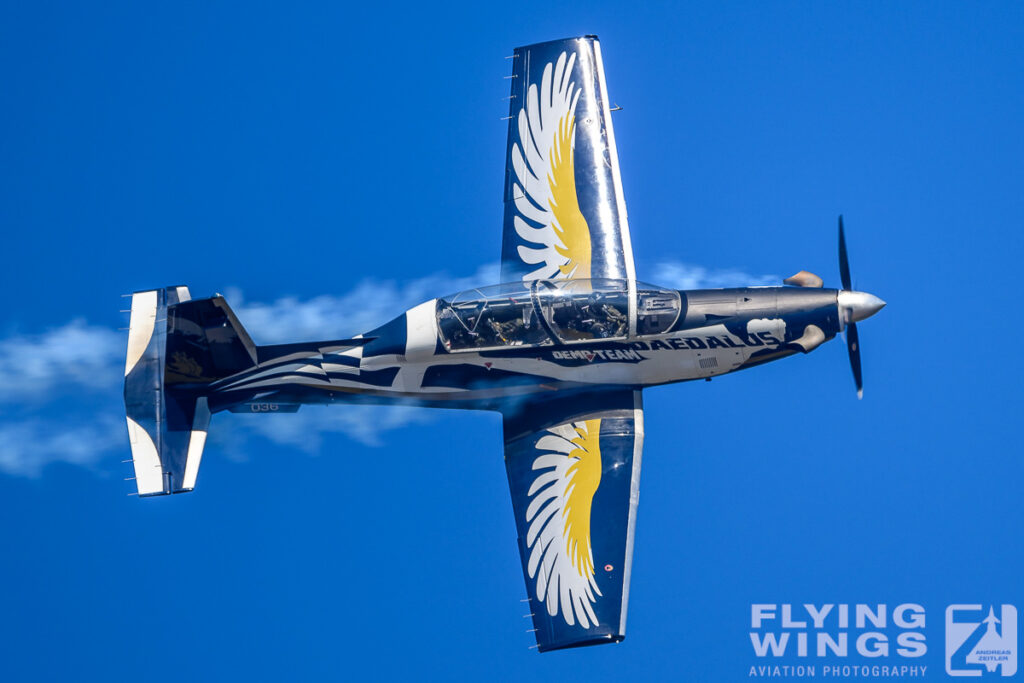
565	216
573	467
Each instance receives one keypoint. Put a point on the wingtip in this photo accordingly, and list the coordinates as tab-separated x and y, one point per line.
860	394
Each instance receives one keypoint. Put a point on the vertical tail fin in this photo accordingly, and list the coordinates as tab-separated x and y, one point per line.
176	347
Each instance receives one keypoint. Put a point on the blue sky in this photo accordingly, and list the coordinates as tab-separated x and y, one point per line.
327	167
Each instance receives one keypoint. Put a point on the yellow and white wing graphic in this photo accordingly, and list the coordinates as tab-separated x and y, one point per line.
547	212
573	467
565	213
561	561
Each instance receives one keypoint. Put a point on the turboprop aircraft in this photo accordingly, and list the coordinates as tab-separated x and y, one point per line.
562	348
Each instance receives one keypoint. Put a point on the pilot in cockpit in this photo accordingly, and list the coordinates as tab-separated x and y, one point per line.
508	331
602	319
617	321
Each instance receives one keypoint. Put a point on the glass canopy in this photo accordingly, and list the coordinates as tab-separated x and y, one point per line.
545	312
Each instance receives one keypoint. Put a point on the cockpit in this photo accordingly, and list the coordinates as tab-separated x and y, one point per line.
545	312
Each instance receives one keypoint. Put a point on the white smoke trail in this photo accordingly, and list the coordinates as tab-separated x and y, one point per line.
688	276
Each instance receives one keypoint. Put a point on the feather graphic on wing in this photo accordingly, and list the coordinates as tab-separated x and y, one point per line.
547	209
561	556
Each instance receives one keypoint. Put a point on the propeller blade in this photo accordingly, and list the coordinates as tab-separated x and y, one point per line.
853	347
844	263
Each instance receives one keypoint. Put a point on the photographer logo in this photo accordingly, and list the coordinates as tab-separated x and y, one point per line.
981	640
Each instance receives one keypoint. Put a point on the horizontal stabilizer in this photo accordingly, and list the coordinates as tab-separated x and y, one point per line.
176	347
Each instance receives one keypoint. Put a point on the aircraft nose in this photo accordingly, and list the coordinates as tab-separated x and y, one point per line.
860	305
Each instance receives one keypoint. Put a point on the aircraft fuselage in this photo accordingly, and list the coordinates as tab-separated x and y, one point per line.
408	360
